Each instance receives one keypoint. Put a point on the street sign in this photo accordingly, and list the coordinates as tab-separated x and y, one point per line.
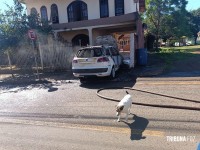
32	35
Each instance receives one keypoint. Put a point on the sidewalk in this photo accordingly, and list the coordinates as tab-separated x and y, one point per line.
155	69
6	79
148	71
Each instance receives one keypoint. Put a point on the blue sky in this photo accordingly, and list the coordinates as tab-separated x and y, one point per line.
2	3
192	4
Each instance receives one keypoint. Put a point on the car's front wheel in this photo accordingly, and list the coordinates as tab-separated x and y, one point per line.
112	74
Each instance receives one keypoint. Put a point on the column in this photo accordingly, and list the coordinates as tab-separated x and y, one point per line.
90	36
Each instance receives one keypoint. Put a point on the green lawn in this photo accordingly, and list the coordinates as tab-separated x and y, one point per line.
184	49
172	54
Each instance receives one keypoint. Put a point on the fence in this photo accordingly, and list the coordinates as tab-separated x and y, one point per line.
56	56
50	55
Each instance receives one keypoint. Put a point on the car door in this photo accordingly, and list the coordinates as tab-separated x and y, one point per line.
114	56
119	57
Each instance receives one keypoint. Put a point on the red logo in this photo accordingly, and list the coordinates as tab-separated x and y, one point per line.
32	35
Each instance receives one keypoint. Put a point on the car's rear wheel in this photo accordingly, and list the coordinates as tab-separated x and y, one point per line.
82	80
112	74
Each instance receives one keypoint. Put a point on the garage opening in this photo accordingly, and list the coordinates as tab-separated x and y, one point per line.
80	40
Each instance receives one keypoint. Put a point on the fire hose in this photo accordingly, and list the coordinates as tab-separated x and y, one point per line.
151	105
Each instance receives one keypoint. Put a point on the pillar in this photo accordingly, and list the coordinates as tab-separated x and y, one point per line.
90	36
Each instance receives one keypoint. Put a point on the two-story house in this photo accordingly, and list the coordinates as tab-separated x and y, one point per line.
81	21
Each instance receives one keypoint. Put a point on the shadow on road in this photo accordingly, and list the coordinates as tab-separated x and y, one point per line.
124	78
137	127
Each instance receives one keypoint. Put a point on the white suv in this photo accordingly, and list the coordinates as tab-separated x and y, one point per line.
97	61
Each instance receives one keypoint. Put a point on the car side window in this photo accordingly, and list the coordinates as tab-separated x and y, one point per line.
107	51
97	52
114	51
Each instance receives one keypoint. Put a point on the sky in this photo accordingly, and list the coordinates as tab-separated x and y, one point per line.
3	6
192	4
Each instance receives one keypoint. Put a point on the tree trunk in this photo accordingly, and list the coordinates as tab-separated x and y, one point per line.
195	40
10	63
9	60
157	39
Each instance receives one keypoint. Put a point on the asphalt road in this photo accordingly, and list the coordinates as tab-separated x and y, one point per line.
69	116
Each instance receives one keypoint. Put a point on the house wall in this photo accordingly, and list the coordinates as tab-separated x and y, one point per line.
93	7
93	13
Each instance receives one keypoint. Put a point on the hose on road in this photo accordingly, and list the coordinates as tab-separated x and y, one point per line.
151	105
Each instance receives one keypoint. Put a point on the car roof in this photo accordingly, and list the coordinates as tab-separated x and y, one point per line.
98	46
90	47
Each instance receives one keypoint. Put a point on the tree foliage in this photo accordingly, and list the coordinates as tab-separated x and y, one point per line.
167	18
14	25
35	22
195	22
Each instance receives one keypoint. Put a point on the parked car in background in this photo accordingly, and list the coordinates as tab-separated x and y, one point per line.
178	44
163	44
97	61
188	43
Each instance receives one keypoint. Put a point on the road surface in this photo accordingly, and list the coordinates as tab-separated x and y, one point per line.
67	116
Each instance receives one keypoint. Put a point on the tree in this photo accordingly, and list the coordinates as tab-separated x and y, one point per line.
179	26
35	22
161	18
195	23
13	26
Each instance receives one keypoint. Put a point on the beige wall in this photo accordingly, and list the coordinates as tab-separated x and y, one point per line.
93	7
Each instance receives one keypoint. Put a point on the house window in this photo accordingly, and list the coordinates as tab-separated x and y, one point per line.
54	14
77	11
104	12
119	7
43	11
33	11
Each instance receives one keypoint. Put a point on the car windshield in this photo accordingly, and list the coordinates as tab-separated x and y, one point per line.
90	52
